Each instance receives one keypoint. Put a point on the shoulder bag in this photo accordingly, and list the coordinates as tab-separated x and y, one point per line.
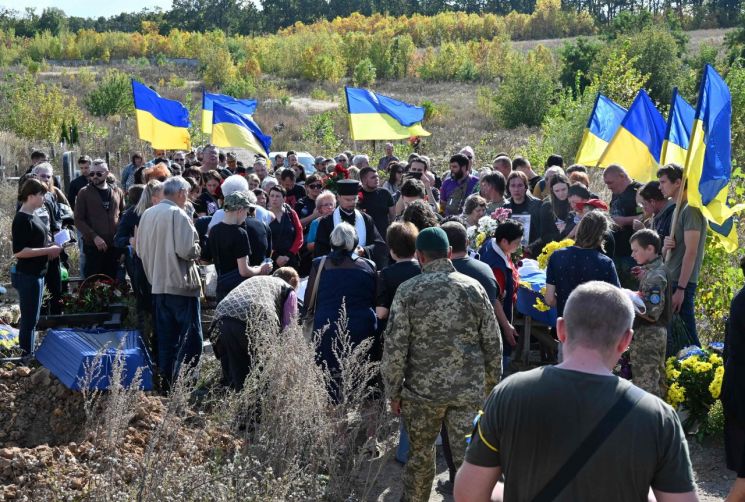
577	460
311	307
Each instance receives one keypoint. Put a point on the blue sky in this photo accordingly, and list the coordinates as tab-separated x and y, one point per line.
82	8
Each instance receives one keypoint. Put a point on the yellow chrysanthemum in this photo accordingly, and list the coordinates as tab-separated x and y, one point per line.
715	387
702	367
480	238
690	363
675	394
716	359
550	248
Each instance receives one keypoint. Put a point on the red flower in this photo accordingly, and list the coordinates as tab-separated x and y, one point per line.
361	195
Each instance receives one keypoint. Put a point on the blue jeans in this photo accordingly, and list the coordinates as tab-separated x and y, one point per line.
178	330
687	313
30	291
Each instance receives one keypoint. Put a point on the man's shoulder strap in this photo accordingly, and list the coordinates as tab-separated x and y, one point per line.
604	428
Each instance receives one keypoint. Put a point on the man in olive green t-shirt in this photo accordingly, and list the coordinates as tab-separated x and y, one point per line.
684	250
534	421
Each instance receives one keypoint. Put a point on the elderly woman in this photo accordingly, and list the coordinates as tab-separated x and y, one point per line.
270	299
342	279
473	210
325	205
32	250
230	246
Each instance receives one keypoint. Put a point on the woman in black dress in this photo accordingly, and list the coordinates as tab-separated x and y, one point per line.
32	250
733	392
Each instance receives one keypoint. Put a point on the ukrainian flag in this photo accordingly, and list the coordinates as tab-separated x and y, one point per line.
230	129
604	121
678	133
638	142
240	106
163	122
373	116
709	161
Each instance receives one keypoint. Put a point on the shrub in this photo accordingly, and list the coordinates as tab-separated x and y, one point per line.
656	54
576	61
526	95
240	87
364	73
113	96
736	83
320	131
34	110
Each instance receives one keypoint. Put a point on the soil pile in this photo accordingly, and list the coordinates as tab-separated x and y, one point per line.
50	450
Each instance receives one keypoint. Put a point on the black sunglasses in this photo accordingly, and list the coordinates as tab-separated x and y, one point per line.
97	173
315	186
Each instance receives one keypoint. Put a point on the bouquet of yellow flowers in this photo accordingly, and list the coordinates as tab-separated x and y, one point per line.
694	380
549	249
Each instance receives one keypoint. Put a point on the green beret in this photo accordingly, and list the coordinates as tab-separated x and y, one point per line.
432	239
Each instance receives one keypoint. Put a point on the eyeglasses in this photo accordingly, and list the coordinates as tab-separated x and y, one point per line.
315	186
97	173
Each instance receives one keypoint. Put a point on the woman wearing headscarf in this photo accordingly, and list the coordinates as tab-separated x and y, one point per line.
258	304
342	279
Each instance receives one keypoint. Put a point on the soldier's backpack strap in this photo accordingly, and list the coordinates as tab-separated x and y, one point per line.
577	460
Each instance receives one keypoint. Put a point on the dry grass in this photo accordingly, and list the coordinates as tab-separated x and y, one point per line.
280	438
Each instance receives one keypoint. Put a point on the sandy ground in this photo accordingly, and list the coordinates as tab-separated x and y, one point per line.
713	479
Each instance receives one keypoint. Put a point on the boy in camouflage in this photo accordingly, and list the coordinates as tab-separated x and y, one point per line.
650	328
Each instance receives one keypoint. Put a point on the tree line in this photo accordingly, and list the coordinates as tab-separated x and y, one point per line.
247	18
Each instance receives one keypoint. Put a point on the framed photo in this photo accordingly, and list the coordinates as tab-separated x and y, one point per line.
525	220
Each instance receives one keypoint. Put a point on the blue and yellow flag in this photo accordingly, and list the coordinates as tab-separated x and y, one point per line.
709	161
638	142
373	116
230	129
163	122
604	121
240	106
678	132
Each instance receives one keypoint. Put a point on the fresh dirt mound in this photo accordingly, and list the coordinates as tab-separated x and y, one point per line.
37	409
49	451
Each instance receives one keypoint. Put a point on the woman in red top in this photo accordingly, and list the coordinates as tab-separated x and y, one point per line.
287	231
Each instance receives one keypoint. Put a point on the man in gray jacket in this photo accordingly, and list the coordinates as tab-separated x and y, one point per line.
168	245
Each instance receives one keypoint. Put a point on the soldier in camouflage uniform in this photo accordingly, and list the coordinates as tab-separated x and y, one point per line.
442	353
650	329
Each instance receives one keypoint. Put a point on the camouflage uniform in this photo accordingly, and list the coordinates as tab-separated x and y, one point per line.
442	353
650	335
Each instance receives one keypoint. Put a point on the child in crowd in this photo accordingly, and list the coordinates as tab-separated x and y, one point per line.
650	328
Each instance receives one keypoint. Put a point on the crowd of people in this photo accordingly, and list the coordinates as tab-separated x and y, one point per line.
389	247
